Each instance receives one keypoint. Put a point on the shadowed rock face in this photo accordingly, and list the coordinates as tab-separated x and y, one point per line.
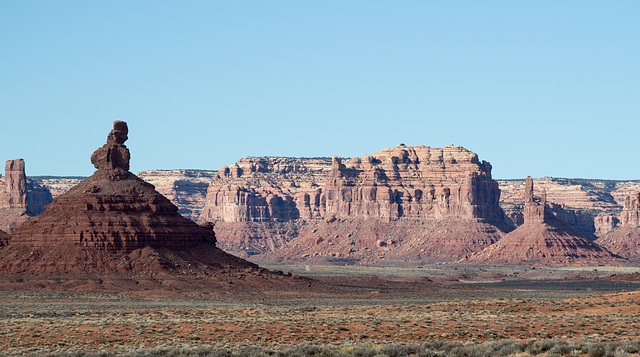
624	236
112	210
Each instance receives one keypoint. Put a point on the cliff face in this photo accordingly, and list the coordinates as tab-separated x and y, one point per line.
185	188
413	182
398	187
267	190
404	182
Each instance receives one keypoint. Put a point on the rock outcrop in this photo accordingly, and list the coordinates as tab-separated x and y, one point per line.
13	196
20	197
418	187
114	222
591	207
543	240
4	238
623	237
186	189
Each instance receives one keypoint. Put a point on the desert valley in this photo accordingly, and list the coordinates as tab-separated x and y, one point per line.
410	250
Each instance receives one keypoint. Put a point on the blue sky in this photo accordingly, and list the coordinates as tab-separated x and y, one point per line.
541	88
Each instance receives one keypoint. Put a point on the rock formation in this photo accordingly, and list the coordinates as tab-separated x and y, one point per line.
115	222
398	187
590	206
4	238
186	189
623	238
13	196
20	197
542	240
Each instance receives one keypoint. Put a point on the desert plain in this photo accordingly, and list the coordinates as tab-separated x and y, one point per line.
463	310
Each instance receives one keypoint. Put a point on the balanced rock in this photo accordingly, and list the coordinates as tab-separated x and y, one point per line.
542	240
114	222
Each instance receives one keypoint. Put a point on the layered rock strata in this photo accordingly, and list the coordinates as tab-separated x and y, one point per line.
186	189
543	240
13	196
590	206
20	197
112	210
624	236
403	186
114	222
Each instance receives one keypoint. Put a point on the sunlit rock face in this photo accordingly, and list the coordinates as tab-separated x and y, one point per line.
445	198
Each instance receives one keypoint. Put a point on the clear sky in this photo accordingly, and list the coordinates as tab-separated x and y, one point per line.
540	88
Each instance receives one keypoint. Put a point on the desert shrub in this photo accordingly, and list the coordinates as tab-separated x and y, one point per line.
177	352
254	351
507	348
561	349
395	351
364	351
550	348
311	351
595	350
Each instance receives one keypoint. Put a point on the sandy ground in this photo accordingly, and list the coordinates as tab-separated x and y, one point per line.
384	309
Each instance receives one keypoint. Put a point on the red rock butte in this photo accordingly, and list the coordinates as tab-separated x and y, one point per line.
408	202
112	210
114	222
543	240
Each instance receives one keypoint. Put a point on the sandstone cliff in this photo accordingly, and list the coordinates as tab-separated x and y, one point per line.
388	192
186	189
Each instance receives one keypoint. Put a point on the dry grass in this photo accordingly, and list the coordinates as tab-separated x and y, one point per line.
128	326
379	318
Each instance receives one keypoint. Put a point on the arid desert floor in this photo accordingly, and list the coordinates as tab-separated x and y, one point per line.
376	307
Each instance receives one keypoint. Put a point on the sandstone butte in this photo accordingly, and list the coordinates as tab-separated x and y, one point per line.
590	206
624	235
543	239
399	204
115	223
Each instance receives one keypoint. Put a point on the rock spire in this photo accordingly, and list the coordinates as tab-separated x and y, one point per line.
543	240
534	212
